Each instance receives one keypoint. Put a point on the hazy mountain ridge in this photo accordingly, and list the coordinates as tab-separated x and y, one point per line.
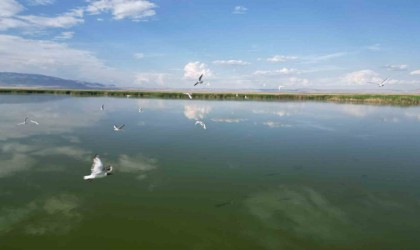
11	79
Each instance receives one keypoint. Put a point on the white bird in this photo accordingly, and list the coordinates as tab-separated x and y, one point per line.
381	84
189	95
102	107
201	124
140	110
24	122
98	170
280	86
199	80
118	128
34	122
128	96
246	97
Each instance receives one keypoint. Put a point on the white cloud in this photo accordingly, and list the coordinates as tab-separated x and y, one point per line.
65	35
362	77
282	71
193	70
59	215
280	58
228	120
133	9
9	8
137	165
273	124
9	19
19	157
153	78
297	81
302	211
52	58
138	55
374	47
397	67
65	20
239	9
415	72
230	62
318	58
194	112
40	2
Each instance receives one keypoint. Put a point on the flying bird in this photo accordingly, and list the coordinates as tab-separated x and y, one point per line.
381	84
34	122
280	86
200	81
118	128
24	122
102	107
189	95
201	124
140	110
128	96
98	170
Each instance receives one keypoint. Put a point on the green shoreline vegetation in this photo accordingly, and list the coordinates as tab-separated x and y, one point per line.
397	99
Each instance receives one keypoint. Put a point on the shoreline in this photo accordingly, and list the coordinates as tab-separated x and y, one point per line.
362	98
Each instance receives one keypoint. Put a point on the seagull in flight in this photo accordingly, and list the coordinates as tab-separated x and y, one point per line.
118	128
140	109
34	122
98	170
201	124
200	81
189	95
25	122
381	84
280	86
102	107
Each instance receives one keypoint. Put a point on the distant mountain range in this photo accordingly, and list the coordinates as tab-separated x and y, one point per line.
13	80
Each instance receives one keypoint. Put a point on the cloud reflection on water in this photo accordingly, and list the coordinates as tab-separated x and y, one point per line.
60	214
16	157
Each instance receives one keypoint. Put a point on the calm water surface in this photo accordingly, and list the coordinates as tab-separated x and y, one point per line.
264	175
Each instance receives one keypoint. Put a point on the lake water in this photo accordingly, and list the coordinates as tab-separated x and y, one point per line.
264	175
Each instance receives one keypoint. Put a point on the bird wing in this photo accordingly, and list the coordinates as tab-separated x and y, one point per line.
385	79
200	77
373	83
122	126
97	166
22	123
196	83
115	127
35	122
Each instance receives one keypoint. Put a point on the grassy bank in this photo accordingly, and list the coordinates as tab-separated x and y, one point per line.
396	99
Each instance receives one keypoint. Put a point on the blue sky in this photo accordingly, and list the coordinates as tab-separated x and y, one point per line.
236	44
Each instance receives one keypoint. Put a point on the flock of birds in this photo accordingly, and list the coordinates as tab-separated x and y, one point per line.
98	170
